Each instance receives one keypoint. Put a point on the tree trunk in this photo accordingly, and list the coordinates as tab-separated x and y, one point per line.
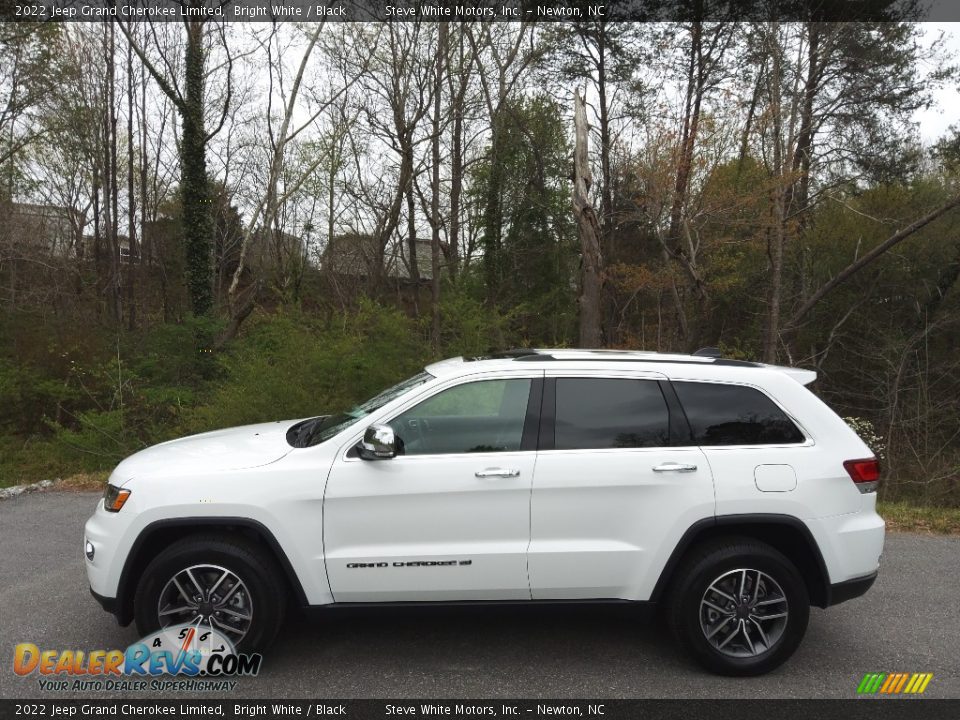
696	80
456	163
435	192
777	236
131	204
606	192
492	220
194	187
589	231
412	237
112	195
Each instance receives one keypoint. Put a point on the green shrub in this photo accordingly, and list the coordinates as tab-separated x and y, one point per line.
290	366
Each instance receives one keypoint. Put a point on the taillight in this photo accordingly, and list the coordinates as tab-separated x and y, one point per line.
864	473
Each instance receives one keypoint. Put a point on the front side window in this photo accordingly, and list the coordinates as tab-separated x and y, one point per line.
595	413
734	415
476	417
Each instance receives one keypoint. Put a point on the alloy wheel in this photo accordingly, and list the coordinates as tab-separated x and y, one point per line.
743	613
209	596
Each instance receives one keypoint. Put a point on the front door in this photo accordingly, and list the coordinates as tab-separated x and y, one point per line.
449	517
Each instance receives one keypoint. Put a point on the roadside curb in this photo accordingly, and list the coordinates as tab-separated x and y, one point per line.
16	490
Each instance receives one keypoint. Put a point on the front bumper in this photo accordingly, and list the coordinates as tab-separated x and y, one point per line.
107	603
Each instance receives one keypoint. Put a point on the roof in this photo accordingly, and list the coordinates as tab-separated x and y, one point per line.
615	359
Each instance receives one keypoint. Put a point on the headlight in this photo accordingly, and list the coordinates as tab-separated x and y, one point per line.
114	498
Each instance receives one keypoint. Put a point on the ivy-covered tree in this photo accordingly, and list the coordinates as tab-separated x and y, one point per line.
195	191
529	186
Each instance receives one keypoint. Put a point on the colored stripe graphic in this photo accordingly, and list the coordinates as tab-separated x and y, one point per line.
894	683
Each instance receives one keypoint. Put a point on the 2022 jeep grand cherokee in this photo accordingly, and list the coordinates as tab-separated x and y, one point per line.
723	490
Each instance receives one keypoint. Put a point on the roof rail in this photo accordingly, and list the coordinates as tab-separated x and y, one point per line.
712	352
512	354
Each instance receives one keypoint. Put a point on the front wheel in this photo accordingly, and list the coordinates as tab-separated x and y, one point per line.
221	582
739	607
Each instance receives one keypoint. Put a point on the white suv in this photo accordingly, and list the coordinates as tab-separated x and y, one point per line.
722	490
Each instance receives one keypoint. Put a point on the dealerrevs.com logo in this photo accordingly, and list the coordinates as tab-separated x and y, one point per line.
197	657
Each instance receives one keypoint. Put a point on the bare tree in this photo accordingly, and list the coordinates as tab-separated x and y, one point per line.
282	138
591	270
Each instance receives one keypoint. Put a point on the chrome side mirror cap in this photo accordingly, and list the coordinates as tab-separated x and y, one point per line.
379	443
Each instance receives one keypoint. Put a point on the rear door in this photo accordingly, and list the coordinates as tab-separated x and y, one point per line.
615	486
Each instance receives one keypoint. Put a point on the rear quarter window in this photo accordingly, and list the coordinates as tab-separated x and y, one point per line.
734	415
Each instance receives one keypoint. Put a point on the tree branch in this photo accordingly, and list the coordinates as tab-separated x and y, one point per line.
868	258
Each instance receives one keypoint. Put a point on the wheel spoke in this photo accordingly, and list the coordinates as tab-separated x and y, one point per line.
721	593
230	593
182	608
722	611
225	626
217	583
743	582
730	637
771	601
746	634
234	613
771	617
763	635
200	590
719	627
186	596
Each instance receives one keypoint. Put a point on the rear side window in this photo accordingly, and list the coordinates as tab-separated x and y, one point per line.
610	413
734	415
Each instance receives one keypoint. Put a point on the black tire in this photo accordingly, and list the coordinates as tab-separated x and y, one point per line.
242	557
691	620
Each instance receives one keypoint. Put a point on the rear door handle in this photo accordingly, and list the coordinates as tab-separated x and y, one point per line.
674	467
497	472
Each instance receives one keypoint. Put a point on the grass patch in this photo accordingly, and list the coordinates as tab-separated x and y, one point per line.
82	482
903	517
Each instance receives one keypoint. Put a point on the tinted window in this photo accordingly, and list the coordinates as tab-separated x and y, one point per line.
610	413
484	416
734	415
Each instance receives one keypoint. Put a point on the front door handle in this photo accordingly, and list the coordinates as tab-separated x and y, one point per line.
497	472
674	467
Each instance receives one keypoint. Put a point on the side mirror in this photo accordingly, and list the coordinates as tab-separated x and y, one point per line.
379	443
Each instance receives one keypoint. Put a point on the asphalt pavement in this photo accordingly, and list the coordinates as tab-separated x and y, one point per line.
908	622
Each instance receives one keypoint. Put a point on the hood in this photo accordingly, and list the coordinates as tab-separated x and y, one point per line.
236	448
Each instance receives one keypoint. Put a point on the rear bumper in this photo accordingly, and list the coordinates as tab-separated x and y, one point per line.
849	589
851	544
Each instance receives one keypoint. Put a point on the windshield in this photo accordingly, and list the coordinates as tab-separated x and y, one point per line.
317	430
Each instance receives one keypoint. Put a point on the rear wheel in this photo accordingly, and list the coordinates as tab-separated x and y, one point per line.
739	607
221	582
